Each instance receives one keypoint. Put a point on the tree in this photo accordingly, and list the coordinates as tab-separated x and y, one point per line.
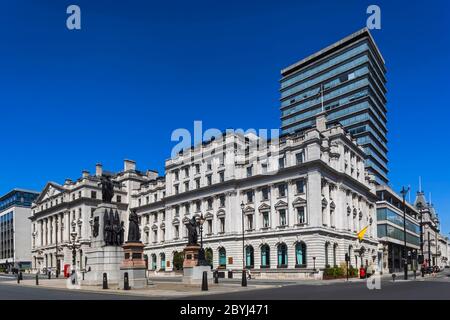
178	260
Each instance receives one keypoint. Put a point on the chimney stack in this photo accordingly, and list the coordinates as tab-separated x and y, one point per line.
85	173
98	169
321	121
129	165
68	181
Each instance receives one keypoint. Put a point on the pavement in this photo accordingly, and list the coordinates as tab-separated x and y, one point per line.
428	288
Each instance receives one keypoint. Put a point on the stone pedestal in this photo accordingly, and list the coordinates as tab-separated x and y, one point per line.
192	272
191	256
133	265
101	258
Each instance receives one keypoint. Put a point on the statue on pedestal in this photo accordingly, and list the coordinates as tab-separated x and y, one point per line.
107	188
134	234
192	232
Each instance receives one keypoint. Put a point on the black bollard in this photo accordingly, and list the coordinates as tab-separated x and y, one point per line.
216	277
18	278
49	275
244	278
393	277
37	279
20	275
205	281
126	284
105	281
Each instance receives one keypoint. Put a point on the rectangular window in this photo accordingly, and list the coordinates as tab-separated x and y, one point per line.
210	203
209	226
301	219
282	213
265	219
177	232
249	171
177	211
93	195
249	196
197	168
281	190
300	184
222	176
177	189
177	175
147	199
197	183
265	193
281	162
186	186
186	172
222	225
299	157
118	199
222	201
250	222
209	179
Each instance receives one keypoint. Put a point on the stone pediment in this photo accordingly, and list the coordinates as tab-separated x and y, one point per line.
176	221
299	201
249	209
324	202
51	189
221	213
264	207
280	204
332	205
209	215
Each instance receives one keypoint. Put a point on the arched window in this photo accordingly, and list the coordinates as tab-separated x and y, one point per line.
163	261
154	262
249	257
222	258
282	256
300	255
327	263
265	256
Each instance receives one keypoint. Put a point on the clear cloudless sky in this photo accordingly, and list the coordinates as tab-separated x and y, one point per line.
137	70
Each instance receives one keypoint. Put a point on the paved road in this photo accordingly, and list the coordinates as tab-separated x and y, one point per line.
431	288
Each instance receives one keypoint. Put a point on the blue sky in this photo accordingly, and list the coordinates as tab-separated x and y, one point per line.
140	69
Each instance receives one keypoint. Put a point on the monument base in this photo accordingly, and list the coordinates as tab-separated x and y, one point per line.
133	266
191	256
103	260
194	275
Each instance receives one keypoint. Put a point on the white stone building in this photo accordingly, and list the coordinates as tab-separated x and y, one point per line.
63	209
303	203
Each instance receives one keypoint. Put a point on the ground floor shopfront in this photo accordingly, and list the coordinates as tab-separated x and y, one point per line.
393	257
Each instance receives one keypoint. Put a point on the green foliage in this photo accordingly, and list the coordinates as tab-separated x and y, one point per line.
209	256
178	260
335	272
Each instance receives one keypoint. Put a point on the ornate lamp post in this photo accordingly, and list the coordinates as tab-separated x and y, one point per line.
404	192
201	255
244	273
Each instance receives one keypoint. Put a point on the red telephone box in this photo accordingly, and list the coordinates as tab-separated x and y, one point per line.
67	270
362	273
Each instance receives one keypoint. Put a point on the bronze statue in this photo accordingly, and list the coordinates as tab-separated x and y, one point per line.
192	231
107	188
106	228
134	234
121	234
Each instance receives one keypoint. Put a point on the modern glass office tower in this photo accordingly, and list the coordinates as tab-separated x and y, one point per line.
15	229
347	80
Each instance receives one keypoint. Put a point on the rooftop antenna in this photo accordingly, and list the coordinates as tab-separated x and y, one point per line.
420	184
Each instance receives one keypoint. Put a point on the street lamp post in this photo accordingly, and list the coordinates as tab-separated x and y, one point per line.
244	274
404	192
201	255
56	247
